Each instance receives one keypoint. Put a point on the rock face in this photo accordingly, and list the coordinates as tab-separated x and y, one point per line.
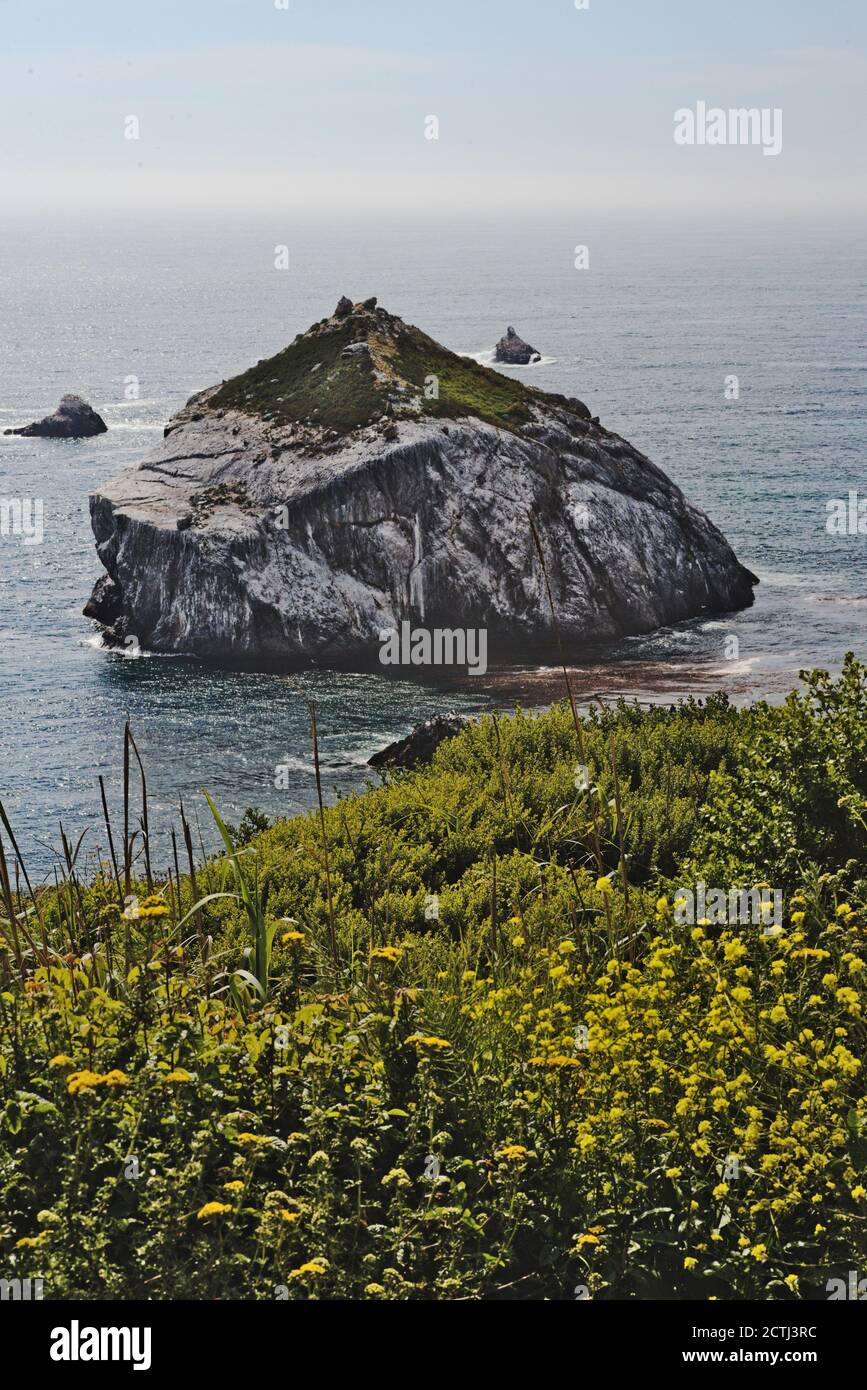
73	419
366	476
515	351
420	745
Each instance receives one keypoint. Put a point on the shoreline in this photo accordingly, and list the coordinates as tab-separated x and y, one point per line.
642	682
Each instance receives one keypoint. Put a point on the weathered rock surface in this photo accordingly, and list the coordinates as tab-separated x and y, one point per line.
73	419
366	475
515	351
421	743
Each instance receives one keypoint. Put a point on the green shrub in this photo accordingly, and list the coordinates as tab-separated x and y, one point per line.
518	1077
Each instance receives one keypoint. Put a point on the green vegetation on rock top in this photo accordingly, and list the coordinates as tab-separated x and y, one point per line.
347	372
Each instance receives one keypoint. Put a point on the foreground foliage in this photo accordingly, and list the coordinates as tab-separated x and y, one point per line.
495	1064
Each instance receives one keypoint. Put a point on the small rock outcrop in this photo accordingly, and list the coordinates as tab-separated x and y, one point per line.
293	514
73	419
515	351
420	745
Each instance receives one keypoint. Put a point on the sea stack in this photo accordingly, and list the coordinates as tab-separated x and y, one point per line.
515	351
73	419
366	475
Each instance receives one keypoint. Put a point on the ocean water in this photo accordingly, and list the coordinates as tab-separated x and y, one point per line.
646	336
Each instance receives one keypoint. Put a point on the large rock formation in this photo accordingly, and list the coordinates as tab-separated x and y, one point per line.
73	419
366	478
515	351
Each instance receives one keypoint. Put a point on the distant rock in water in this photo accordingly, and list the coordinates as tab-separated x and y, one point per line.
420	745
365	477
73	419
515	351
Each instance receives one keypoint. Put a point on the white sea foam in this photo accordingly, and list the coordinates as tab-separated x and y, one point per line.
734	668
99	644
297	764
486	359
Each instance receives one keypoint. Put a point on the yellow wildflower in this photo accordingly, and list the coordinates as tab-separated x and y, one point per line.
392	953
558	1062
153	906
212	1209
115	1078
82	1081
513	1153
312	1269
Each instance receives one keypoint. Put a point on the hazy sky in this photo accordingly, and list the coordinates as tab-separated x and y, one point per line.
322	105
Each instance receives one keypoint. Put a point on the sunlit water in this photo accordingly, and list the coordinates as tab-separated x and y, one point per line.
646	337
